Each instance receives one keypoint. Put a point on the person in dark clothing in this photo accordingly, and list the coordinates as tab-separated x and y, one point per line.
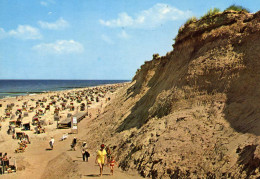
5	161
85	153
73	144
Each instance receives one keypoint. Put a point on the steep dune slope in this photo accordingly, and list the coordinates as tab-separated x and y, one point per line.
194	112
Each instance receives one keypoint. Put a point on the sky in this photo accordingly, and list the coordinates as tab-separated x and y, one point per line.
92	39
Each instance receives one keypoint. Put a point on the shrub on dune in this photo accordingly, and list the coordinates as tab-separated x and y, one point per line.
237	8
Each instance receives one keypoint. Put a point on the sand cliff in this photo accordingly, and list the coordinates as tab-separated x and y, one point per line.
194	112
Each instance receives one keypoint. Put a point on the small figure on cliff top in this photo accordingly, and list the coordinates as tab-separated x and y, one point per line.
156	56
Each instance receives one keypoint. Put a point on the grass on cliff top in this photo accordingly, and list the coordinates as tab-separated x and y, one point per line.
192	19
212	12
237	8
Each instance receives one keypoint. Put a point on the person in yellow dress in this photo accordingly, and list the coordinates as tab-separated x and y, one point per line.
101	158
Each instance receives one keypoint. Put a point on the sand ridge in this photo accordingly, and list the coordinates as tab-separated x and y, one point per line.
193	113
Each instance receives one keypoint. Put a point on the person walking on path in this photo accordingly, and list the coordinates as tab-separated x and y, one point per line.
101	158
85	153
51	142
112	163
108	154
73	144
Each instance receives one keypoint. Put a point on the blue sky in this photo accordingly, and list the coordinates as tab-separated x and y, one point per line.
91	39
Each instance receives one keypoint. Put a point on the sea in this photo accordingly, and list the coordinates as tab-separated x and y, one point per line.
13	88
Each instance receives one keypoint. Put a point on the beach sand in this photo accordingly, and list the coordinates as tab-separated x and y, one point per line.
37	161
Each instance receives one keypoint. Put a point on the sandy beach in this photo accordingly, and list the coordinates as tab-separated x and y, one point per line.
38	111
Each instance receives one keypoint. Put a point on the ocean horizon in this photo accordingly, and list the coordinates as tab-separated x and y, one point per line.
21	87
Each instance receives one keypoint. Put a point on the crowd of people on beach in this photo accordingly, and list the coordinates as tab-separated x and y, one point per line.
5	164
53	104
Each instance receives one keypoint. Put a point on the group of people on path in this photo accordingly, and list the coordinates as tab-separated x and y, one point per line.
103	155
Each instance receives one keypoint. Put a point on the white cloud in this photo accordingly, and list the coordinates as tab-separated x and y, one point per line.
123	35
123	20
60	47
155	16
107	39
57	25
43	3
47	2
3	34
24	32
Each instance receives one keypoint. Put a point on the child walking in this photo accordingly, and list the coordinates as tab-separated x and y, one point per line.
112	163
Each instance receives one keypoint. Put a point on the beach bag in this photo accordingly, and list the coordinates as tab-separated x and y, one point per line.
88	154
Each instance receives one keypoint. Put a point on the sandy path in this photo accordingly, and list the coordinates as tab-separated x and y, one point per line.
90	169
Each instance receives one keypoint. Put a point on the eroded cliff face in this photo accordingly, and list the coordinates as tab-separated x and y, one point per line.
196	111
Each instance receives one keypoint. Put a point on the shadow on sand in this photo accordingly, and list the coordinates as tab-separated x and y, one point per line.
96	175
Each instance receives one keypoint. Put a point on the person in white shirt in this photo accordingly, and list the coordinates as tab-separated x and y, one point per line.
65	136
51	142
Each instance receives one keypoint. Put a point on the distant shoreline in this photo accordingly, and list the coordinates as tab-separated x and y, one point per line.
13	94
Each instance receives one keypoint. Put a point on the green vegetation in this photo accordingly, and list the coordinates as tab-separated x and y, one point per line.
237	8
211	12
191	19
